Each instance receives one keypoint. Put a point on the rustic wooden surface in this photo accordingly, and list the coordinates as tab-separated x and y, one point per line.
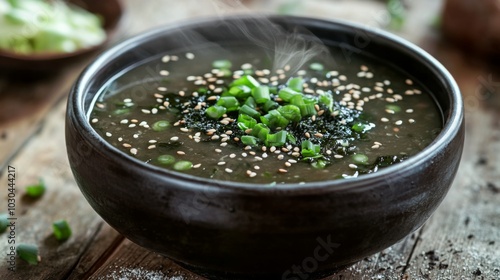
460	241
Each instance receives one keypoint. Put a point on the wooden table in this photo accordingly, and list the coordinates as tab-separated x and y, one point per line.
460	241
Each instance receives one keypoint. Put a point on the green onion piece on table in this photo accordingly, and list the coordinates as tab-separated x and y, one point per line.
61	230
36	190
4	222
28	252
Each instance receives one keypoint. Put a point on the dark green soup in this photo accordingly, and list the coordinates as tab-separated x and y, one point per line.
228	115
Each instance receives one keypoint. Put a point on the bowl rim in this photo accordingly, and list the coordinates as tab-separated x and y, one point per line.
453	121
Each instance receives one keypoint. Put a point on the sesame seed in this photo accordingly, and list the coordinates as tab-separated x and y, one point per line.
150	147
258	158
244	154
363	68
94	120
126	145
184	129
109	134
133	151
353	166
282	170
135	136
411	120
197	165
292	161
189	55
120	139
280	157
191	78
162	89
338	156
124	121
377	143
400	122
409	111
218	150
232	155
287	164
165	59
152	141
252	174
174	138
409	82
307	134
164	73
256	167
228	170
146	111
375	146
384	119
369	75
174	58
221	163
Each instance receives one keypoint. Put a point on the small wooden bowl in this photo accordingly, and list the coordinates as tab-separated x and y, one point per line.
111	11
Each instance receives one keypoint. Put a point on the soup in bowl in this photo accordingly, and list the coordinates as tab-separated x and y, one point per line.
248	152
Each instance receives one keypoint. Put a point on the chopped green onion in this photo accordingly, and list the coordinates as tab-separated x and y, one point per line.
290	138
166	159
362	127
222	64
228	102
270	105
286	94
183	165
291	112
121	111
274	119
277	139
307	110
246	80
394	108
297	100
28	252
245	122
36	190
260	131
249	140
251	102
360	159
4	222
216	111
327	100
310	150
316	66
247	110
296	84
261	94
240	92
61	229
161	125
319	164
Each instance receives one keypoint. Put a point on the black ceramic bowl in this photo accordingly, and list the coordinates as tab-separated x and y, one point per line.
236	230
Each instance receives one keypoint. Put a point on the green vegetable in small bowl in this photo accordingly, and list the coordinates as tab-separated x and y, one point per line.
45	35
39	26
